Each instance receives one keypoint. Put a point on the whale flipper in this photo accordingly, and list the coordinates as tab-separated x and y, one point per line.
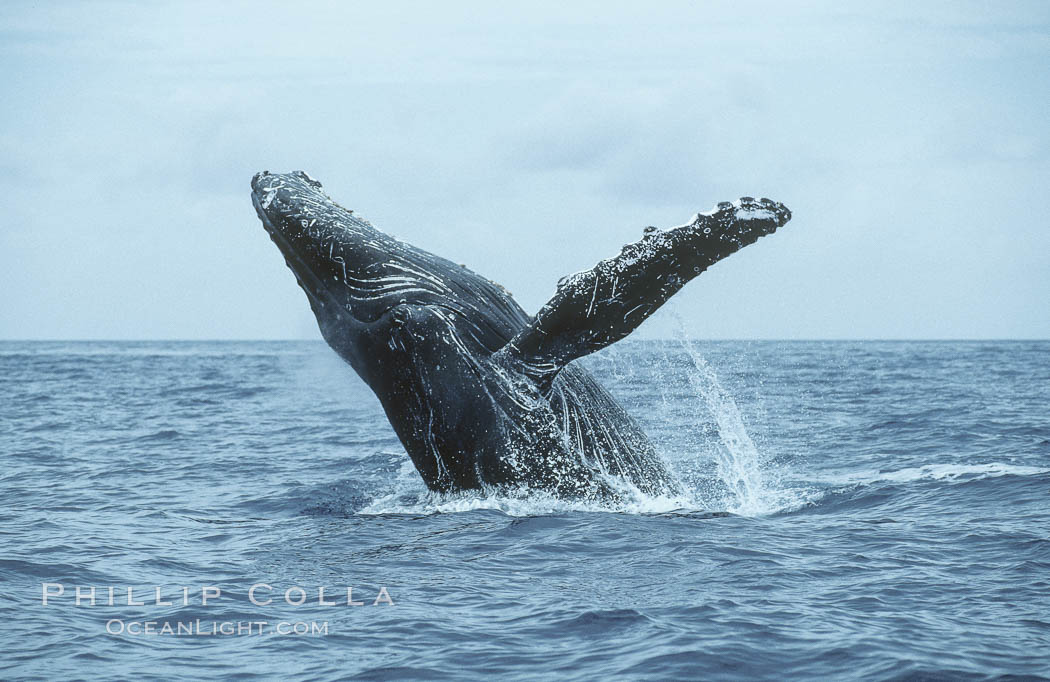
597	307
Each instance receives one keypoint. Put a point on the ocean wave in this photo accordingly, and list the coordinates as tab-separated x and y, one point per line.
933	472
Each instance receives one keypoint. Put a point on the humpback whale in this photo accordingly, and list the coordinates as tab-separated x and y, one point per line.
481	395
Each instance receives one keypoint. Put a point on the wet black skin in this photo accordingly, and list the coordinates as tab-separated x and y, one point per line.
430	337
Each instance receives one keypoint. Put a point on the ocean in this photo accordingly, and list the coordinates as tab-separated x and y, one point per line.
856	510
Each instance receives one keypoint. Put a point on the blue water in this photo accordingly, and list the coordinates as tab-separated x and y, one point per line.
857	510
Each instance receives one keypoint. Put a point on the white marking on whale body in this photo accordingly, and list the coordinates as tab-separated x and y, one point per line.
752	213
421	274
594	293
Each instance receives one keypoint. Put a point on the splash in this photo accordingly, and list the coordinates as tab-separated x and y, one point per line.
520	503
752	481
410	496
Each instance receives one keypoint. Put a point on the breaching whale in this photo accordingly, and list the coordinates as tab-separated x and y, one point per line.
482	395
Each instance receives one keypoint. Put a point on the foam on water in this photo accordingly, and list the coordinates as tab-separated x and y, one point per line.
527	503
409	496
934	472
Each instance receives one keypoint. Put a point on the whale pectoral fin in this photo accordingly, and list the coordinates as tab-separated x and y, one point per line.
597	307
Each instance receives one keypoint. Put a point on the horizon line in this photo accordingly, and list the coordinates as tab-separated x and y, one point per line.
727	338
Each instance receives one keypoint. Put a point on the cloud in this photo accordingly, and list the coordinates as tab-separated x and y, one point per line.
528	143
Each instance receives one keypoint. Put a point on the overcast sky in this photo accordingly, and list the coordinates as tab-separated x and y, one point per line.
910	140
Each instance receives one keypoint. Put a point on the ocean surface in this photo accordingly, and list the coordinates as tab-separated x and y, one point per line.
857	510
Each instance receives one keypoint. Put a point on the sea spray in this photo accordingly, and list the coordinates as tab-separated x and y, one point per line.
754	483
740	464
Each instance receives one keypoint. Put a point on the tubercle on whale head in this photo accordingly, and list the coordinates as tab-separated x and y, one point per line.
302	175
283	195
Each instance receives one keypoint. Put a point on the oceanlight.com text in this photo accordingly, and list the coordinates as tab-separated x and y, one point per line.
226	628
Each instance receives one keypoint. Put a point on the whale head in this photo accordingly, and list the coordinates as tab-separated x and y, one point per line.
361	283
330	251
